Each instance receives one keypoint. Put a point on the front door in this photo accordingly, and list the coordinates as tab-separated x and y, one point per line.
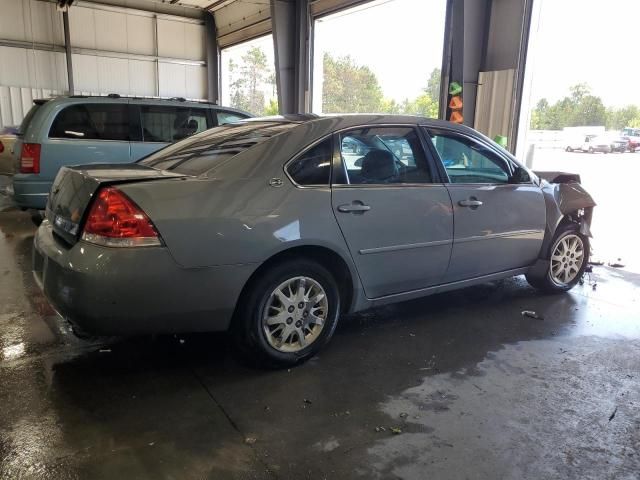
395	219
498	225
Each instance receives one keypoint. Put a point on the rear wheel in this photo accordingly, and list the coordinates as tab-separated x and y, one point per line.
288	314
568	258
569	149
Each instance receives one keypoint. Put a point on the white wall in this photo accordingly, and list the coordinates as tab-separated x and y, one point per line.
110	44
115	51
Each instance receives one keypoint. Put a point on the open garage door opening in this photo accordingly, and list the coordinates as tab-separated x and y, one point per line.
377	58
581	111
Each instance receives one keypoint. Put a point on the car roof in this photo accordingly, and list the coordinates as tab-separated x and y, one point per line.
115	98
323	124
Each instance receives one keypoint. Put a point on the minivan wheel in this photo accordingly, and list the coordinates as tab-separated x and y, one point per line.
287	314
568	259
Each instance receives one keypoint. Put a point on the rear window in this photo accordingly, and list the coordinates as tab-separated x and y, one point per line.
100	121
27	119
207	150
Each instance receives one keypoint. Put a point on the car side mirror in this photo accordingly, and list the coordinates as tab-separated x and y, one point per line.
520	175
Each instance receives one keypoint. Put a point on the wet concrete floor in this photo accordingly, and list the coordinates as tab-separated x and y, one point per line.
454	386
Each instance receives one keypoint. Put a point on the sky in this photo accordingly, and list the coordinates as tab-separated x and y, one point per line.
572	41
400	40
592	41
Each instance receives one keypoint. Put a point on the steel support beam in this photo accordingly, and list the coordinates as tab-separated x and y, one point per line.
67	49
213	59
291	25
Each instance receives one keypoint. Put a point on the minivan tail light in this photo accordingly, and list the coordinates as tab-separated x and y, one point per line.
30	158
114	220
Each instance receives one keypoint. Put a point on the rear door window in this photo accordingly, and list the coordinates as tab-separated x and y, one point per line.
101	121
169	124
383	155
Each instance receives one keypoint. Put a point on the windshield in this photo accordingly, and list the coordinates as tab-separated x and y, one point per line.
203	152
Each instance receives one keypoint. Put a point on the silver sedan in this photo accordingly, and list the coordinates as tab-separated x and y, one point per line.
272	228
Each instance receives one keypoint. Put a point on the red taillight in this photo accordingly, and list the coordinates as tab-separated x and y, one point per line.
115	221
30	158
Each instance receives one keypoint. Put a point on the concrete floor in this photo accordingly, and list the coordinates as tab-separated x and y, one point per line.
475	389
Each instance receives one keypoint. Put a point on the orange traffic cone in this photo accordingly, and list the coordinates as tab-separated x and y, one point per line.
456	117
455	103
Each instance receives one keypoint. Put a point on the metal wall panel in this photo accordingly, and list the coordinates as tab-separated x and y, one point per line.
188	81
23	67
30	21
180	40
141	35
103	75
494	107
15	102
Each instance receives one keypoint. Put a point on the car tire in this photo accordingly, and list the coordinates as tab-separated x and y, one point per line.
257	342
568	149
552	281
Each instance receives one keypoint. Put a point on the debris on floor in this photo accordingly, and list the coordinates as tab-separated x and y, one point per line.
105	350
404	415
250	440
532	314
381	429
613	414
396	430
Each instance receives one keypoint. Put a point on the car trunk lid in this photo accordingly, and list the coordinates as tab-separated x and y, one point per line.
74	188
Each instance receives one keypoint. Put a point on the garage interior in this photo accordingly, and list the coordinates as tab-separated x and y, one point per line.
457	385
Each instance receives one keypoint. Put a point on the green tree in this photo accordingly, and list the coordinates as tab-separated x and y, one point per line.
349	87
433	84
271	108
249	80
579	108
424	105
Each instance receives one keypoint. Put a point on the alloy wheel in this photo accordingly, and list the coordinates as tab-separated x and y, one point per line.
567	259
295	314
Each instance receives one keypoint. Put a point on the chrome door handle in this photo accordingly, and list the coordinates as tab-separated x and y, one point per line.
472	203
355	207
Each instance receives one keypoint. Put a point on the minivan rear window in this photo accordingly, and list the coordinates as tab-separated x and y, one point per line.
99	121
207	150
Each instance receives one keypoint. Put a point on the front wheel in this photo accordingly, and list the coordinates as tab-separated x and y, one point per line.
568	258
288	314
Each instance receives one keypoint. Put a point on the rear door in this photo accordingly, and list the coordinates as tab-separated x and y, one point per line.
84	133
498	225
161	125
394	213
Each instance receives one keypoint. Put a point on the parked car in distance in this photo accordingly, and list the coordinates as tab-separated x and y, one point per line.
7	140
619	144
262	228
72	130
632	135
590	144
